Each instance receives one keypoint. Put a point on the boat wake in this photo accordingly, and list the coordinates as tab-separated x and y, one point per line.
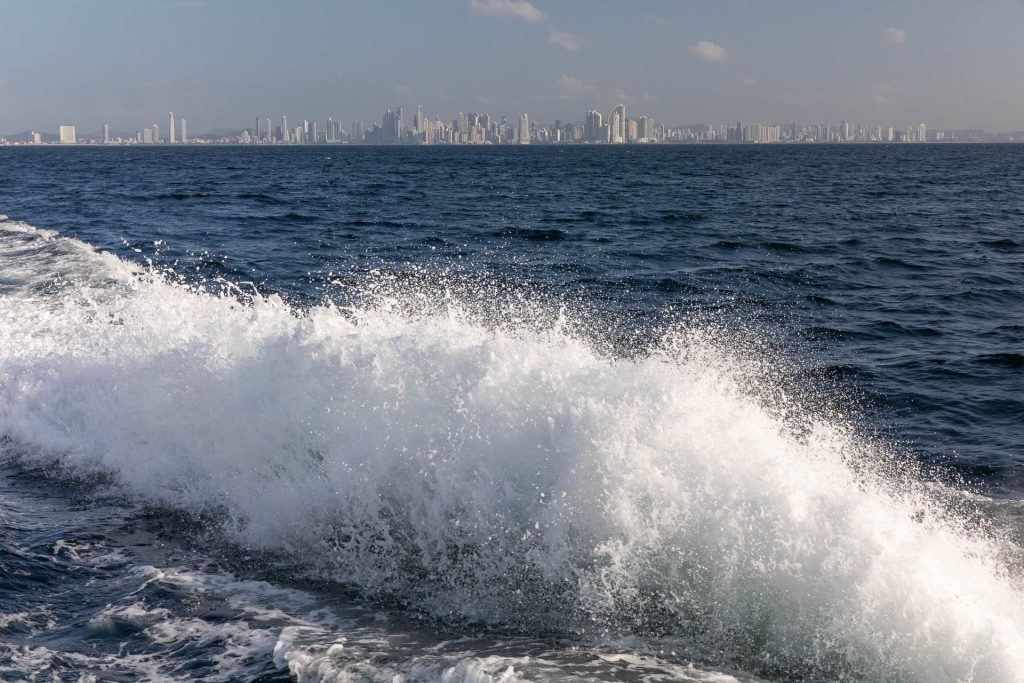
503	473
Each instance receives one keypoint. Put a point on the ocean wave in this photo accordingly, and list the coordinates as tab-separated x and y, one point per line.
503	473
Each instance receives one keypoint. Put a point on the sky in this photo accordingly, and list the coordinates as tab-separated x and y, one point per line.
220	63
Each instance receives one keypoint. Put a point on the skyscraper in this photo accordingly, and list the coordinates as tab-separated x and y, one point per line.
259	137
106	133
156	133
645	129
391	127
594	127
270	132
524	130
284	128
184	132
617	124
922	133
67	135
170	128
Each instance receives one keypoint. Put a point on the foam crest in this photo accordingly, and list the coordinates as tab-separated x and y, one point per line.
510	474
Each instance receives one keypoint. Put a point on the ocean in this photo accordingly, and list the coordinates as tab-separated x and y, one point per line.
595	413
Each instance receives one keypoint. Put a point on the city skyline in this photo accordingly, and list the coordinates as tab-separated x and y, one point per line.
618	126
121	63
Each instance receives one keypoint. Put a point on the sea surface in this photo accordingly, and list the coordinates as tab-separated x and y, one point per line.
698	413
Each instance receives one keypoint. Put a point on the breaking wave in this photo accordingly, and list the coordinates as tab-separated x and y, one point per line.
506	474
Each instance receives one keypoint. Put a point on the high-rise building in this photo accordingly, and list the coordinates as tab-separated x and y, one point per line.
156	133
170	128
184	132
270	132
922	133
313	136
391	127
617	125
645	129
67	135
593	125
106	133
284	128
258	135
524	130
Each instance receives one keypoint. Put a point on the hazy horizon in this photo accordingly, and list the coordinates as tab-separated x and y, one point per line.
220	63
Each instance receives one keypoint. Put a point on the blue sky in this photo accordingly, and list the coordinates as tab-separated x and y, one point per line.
948	63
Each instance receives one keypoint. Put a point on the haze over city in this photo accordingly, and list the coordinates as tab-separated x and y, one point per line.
126	64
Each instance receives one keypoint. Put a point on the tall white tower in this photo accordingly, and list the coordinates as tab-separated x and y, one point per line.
617	124
184	132
170	128
524	130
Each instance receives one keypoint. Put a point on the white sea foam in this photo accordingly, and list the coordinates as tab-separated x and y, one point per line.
502	473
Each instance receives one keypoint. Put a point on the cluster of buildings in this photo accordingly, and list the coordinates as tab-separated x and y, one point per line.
68	135
615	127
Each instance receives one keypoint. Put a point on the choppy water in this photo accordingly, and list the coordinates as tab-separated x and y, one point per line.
499	414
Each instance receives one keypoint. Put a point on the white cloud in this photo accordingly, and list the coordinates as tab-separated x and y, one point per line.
516	9
708	51
566	41
573	87
895	35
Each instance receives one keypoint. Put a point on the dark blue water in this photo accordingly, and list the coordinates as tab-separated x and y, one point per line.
883	285
899	269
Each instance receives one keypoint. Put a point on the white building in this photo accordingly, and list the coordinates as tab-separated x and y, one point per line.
67	135
617	125
524	130
170	128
